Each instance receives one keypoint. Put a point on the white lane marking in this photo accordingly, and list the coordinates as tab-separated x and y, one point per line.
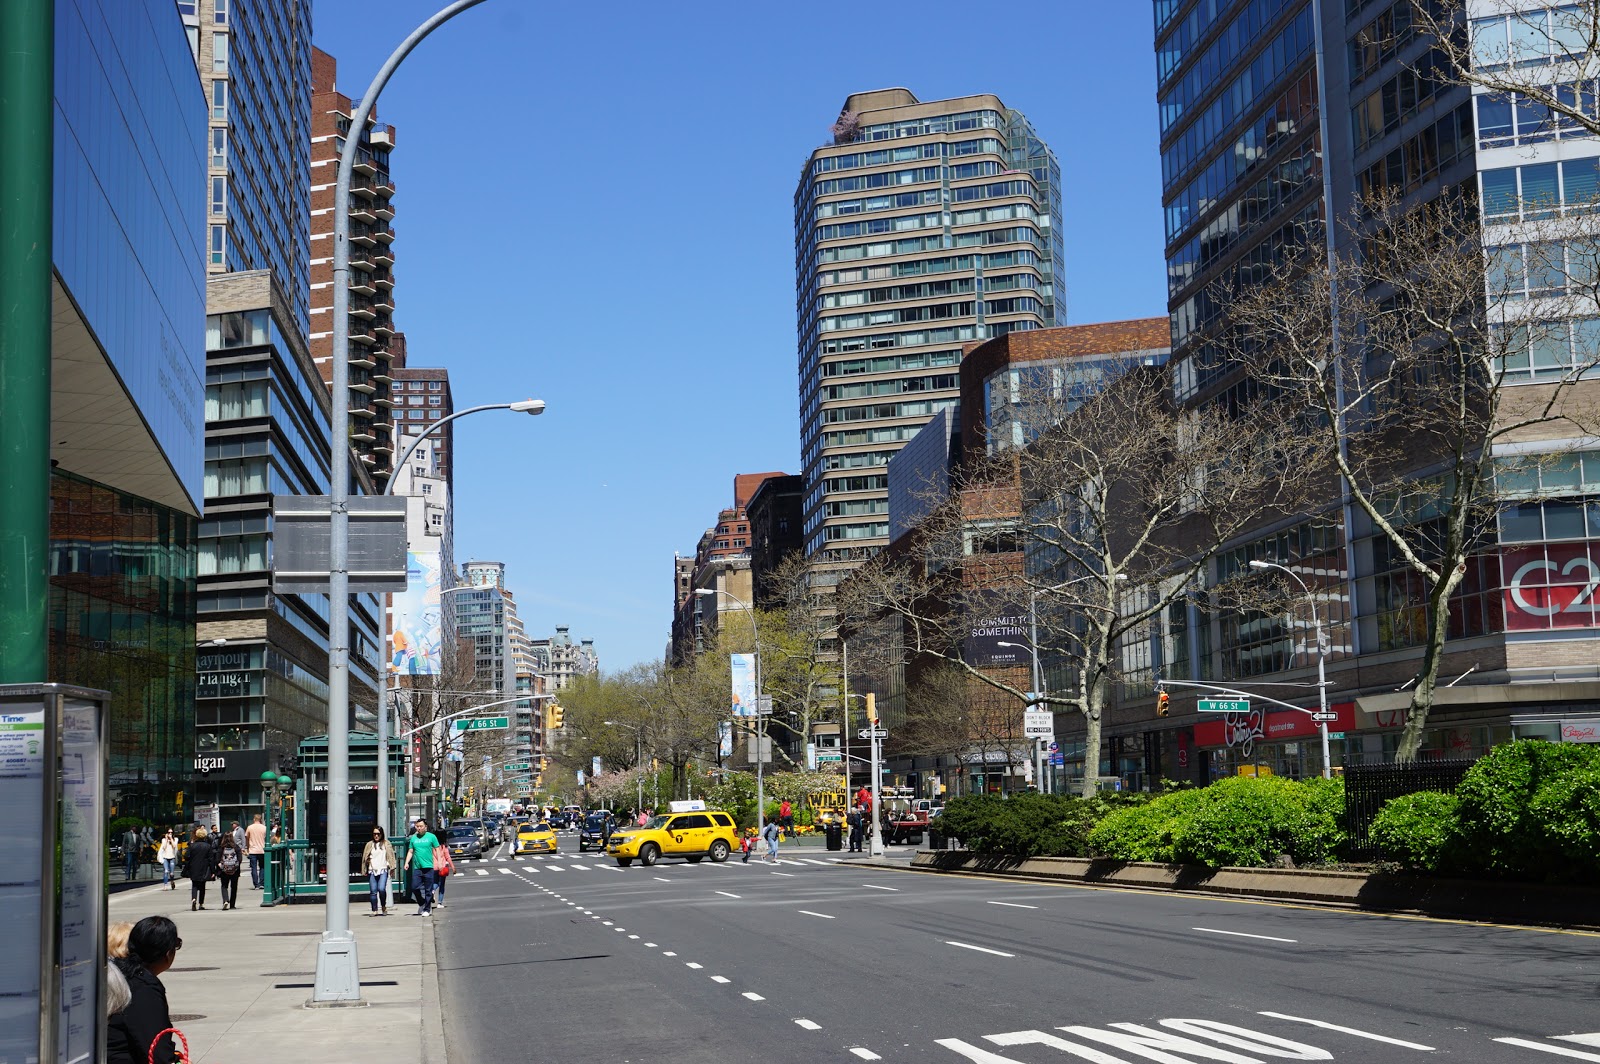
633	936
980	949
594	916
720	979
553	867
668	953
753	996
659	879
652	945
725	894
789	874
808	912
605	923
1581	1039
865	1054
1013	905
809	1025
503	871
809	860
588	912
1325	1025
1242	934
874	886
576	867
692	964
481	871
1543	1047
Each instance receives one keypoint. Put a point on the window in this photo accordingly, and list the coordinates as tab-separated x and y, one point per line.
230	402
436	386
232	554
219	53
219	196
433	415
1540	190
415	400
216	245
434	400
221	15
427	488
219	99
247	476
219	148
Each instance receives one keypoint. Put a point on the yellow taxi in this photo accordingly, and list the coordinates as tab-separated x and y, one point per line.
692	835
534	837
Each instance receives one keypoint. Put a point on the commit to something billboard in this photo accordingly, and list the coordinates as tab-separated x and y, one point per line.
993	618
418	626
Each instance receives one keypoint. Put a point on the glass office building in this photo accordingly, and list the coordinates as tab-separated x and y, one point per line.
127	370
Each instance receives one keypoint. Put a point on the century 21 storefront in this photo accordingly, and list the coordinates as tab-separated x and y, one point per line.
1544	685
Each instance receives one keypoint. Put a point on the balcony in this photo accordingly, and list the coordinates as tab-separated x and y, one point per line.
383	302
384	401
362	306
381	138
361	210
363	282
360	382
383	254
362	409
383	210
384	327
361	358
361	332
383	278
363	257
382	448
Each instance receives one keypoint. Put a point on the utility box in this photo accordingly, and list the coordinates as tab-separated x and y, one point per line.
53	763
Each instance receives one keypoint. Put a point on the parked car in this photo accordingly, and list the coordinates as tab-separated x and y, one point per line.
597	828
463	842
692	836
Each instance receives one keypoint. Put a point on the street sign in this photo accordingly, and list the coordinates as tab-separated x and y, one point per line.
467	724
867	733
1336	735
1039	724
825	757
519	766
1223	705
1324	718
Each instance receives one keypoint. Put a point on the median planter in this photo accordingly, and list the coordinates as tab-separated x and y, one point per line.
1490	900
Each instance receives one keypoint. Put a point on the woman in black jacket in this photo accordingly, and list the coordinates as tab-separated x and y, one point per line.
200	866
153	945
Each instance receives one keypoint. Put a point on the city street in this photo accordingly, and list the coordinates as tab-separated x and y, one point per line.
572	958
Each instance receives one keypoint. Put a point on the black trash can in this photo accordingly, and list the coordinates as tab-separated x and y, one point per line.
834	831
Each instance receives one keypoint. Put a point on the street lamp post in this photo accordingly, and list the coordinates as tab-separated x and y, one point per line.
638	755
338	975
761	721
1322	659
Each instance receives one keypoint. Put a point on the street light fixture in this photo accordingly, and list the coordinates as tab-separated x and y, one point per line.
638	752
761	721
1322	659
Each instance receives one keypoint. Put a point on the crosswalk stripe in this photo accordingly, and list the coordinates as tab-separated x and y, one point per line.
482	871
505	871
556	868
809	860
1560	1051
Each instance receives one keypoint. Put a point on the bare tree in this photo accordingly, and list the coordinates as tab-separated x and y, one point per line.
1430	362
424	702
1104	519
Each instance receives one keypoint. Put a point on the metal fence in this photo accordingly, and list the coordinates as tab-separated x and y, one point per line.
1367	787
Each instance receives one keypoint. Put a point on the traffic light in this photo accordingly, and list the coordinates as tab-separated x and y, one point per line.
872	710
555	716
1162	708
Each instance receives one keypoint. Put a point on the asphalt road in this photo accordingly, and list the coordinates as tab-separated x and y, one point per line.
573	959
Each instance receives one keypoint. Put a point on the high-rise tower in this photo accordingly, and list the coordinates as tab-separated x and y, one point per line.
918	228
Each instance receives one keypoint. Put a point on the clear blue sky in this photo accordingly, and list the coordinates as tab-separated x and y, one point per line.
594	208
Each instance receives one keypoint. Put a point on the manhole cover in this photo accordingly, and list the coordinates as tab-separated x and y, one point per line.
286	934
199	969
185	1017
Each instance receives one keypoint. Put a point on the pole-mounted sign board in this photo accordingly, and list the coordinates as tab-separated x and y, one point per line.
302	551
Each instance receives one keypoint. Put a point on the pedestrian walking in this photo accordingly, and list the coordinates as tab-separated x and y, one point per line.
420	847
443	869
856	821
255	848
377	860
130	853
786	818
199	865
239	839
772	833
230	862
131	1035
747	844
167	854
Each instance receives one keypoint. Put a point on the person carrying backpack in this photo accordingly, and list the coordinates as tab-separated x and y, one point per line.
230	860
772	833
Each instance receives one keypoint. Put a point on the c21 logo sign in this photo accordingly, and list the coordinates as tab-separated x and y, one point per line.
1551	587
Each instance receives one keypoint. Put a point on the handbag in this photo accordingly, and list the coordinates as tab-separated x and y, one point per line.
441	861
182	1056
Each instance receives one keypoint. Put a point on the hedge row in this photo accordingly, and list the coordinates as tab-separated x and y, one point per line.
1241	821
1527	810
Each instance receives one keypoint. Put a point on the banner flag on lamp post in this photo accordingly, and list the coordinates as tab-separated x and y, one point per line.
743	670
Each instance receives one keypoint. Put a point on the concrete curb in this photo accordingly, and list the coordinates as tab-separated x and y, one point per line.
433	1045
1486	900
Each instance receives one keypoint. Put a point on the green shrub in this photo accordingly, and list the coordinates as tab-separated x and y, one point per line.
1244	821
1024	825
1527	810
1249	821
1420	831
1144	832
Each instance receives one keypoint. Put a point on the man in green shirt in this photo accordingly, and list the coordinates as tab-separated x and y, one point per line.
420	845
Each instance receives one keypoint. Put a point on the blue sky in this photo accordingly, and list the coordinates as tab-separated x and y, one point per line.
594	208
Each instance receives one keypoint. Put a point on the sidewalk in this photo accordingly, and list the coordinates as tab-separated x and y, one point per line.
241	982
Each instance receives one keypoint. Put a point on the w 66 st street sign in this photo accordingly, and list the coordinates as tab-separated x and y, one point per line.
1223	705
484	724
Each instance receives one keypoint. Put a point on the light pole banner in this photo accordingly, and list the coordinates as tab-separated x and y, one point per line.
725	738
418	627
743	668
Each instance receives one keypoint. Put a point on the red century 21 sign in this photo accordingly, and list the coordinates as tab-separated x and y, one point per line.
1551	586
